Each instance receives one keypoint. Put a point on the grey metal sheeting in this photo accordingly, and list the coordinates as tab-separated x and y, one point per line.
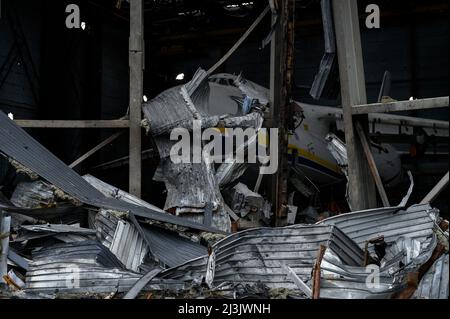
166	247
435	282
349	282
172	249
128	246
339	281
17	144
59	229
176	107
415	222
83	268
257	255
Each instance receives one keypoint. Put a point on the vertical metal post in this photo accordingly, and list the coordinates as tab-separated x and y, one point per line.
281	64
136	61
353	91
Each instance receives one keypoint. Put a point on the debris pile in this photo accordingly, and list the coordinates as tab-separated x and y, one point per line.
67	236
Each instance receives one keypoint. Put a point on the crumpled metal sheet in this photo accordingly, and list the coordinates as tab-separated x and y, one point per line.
232	170
338	149
409	253
257	256
82	268
339	281
170	248
177	107
62	232
166	247
329	58
17	144
33	195
59	229
403	256
189	185
416	222
115	192
252	90
435	282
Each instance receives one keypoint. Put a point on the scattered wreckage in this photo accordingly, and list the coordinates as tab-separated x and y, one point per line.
67	236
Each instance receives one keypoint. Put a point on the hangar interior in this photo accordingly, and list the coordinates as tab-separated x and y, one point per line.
81	94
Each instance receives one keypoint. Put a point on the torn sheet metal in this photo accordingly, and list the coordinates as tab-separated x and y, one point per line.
33	195
17	144
340	281
83	268
166	247
170	248
252	91
408	254
189	185
256	256
231	170
141	283
338	149
416	222
403	256
190	188
243	201
59	229
328	61
115	192
435	283
62	232
177	107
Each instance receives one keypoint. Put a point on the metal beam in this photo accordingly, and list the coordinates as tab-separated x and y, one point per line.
353	91
95	150
372	165
420	104
136	62
281	65
73	124
436	190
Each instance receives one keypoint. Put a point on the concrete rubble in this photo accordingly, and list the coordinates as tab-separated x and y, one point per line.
67	236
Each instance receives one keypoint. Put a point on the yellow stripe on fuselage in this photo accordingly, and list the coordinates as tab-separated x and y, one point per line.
312	157
263	139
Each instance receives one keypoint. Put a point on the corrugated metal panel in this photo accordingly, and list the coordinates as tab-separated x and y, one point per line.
415	222
406	255
257	255
106	224
128	246
124	241
175	107
435	282
172	249
20	146
86	267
